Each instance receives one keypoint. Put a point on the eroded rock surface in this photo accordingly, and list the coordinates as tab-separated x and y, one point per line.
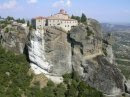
14	39
50	53
91	63
57	51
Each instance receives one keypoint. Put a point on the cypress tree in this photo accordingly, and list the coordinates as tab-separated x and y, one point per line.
83	18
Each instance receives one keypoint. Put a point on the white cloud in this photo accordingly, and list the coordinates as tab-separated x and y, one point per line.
62	3
68	3
32	1
10	4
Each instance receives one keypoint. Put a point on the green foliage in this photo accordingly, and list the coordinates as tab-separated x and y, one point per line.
9	18
83	18
28	23
87	91
6	30
60	90
76	18
20	20
71	92
67	78
50	84
89	32
4	23
13	74
78	88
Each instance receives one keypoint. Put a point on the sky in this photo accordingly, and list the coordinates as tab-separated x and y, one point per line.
112	11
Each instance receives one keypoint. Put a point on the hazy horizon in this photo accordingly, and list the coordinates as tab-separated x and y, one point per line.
110	11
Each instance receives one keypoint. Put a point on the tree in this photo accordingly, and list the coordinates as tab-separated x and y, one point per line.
83	18
9	18
76	18
60	90
28	23
20	20
71	92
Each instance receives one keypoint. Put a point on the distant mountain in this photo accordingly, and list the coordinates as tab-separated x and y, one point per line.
108	27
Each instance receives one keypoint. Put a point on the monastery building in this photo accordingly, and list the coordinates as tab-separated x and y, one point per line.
61	19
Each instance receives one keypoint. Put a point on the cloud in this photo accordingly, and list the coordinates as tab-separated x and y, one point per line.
68	3
10	4
32	1
62	3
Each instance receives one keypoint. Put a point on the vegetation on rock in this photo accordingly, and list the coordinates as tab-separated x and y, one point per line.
13	74
82	19
15	81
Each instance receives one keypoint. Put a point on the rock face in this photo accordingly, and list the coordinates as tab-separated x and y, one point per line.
14	39
107	47
50	52
128	86
89	61
58	51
